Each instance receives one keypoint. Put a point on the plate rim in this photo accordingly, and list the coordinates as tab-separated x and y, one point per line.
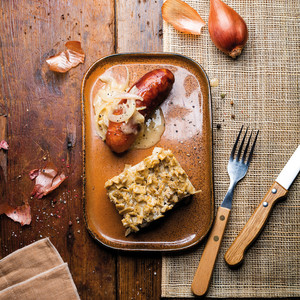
84	79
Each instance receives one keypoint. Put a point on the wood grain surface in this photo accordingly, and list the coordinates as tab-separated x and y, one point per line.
3	159
138	26
236	252
139	30
200	284
40	116
44	124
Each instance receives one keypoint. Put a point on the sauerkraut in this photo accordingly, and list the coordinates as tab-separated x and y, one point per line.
144	192
107	101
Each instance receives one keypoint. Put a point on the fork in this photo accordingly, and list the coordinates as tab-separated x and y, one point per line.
237	169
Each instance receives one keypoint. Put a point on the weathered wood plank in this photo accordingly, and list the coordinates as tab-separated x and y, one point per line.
138	26
139	276
3	160
44	115
138	29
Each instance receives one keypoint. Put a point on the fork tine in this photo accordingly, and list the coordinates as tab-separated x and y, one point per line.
252	149
241	146
246	148
235	144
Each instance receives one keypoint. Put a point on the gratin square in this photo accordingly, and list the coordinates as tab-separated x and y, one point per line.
144	192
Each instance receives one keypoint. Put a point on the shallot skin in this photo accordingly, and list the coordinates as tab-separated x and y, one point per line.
182	16
227	28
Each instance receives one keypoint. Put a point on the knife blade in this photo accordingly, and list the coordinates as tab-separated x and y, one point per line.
236	252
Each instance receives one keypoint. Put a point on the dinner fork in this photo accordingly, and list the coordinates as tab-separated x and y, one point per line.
237	169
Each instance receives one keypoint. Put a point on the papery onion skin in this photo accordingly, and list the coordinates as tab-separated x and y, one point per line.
21	214
227	28
4	145
46	180
68	59
182	17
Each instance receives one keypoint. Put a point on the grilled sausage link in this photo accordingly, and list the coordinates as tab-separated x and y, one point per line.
154	87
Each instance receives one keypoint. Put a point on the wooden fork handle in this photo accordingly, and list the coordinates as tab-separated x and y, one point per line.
235	254
207	262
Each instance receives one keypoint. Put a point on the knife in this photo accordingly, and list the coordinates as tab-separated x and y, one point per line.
235	254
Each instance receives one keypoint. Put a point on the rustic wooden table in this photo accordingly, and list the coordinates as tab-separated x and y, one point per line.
40	117
40	114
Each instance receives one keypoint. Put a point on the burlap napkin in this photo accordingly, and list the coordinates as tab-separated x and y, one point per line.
261	90
36	271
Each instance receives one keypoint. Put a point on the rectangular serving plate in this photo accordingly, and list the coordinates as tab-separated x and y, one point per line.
188	133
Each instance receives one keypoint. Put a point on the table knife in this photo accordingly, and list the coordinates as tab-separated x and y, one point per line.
236	252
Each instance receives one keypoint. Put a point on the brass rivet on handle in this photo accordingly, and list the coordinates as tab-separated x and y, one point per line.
216	238
274	191
222	217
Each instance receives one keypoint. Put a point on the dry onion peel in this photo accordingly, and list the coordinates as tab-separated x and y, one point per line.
19	214
4	145
46	180
67	59
227	28
183	17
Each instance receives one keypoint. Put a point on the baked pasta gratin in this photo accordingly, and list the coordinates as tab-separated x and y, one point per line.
144	192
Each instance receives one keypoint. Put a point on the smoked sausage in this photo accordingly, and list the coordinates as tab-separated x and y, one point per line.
154	87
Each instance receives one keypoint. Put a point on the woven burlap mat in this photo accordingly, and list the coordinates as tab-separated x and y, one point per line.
263	85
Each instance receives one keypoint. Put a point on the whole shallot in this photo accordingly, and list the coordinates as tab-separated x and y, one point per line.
227	28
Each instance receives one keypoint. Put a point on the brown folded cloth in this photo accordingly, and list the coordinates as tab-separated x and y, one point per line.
36	272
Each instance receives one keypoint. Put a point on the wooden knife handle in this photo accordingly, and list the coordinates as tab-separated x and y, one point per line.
235	254
207	262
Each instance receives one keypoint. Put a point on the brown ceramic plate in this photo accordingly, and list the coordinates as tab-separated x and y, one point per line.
188	133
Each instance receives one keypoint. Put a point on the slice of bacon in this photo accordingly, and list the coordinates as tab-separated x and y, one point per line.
46	180
19	214
4	145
